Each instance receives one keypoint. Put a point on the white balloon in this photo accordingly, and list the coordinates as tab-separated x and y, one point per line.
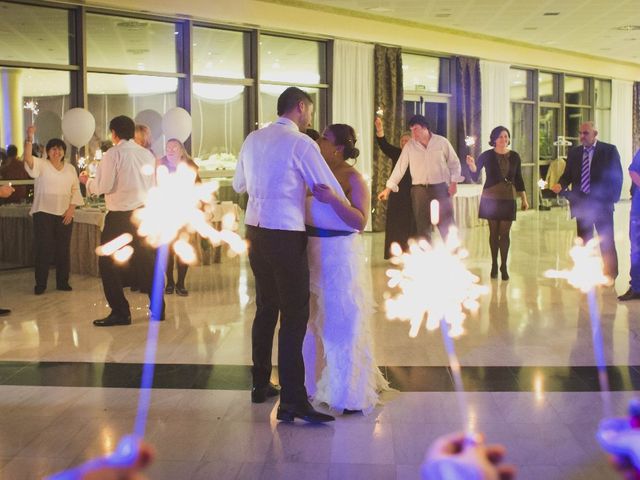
78	126
176	123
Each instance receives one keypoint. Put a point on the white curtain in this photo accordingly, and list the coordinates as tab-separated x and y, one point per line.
496	103
353	98
622	126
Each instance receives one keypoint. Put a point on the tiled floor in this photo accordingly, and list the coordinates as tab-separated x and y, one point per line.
67	389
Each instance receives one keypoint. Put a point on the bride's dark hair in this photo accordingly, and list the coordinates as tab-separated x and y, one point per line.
345	137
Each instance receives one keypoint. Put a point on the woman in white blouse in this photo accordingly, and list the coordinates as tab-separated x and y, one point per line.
57	193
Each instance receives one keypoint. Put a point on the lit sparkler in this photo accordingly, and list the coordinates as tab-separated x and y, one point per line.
32	105
542	184
82	163
380	112
426	296
470	142
176	204
586	275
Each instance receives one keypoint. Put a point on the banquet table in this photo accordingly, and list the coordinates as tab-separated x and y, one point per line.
466	204
16	236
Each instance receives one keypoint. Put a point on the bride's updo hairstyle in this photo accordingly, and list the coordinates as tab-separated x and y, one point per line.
345	137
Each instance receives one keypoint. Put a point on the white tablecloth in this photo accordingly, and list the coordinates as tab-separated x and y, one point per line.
16	235
466	204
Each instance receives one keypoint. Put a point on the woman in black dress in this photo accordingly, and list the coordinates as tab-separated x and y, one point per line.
498	201
400	224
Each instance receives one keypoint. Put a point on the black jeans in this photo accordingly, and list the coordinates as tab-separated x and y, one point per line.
52	239
278	259
112	275
421	197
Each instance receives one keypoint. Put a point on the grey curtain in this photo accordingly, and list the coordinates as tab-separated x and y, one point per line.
469	110
388	96
636	117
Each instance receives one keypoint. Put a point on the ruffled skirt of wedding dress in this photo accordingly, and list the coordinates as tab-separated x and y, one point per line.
341	370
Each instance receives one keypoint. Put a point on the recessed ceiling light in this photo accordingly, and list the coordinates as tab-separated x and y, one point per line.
627	28
379	9
442	15
551	14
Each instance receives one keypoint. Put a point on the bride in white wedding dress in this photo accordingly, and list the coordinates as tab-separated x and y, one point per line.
338	349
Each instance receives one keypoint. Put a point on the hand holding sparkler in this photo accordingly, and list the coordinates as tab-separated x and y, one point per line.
131	457
454	457
83	177
6	190
377	122
471	163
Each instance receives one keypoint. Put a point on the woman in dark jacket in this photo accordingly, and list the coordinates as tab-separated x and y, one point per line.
400	224
498	202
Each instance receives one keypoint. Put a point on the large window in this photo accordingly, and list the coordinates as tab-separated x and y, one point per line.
287	61
220	98
549	119
133	68
142	97
602	89
427	90
32	97
130	44
521	92
34	34
578	105
37	96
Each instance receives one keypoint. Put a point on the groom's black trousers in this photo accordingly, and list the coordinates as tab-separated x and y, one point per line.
278	259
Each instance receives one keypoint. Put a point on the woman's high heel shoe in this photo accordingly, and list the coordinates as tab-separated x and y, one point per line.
503	270
494	270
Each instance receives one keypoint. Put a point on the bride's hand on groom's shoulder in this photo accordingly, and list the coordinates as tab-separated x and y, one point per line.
323	193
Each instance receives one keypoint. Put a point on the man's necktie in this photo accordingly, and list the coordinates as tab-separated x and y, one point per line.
585	177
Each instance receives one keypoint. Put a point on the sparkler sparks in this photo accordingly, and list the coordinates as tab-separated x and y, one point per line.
542	184
586	273
175	205
469	141
428	295
33	106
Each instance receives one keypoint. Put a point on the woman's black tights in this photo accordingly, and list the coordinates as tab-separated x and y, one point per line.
499	241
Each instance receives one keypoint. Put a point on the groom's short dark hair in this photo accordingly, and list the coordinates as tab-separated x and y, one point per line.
290	98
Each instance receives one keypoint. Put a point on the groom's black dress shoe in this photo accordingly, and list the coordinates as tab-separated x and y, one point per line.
112	320
629	295
260	394
288	412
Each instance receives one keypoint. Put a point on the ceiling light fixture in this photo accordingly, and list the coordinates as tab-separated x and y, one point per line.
551	14
628	28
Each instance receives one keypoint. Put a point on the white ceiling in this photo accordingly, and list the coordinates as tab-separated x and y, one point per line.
584	26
